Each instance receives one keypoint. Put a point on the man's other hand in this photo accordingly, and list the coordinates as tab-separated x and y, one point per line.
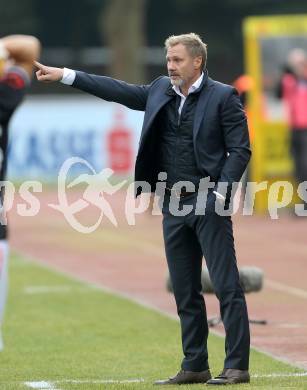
48	74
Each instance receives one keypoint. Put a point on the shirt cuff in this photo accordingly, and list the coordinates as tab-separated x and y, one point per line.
69	76
219	196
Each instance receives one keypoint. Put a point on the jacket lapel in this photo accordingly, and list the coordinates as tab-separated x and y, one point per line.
202	105
150	115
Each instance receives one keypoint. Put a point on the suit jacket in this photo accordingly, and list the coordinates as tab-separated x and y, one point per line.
220	132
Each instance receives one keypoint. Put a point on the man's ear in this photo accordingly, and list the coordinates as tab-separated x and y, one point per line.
198	62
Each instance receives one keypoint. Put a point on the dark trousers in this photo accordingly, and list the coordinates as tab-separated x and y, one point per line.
187	239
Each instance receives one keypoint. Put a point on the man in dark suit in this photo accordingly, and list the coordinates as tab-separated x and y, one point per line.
194	128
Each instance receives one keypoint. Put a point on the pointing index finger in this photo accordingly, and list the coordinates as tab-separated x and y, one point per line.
39	65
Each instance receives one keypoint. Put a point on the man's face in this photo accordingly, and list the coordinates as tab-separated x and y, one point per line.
182	68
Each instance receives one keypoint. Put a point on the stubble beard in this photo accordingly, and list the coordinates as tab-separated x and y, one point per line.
178	82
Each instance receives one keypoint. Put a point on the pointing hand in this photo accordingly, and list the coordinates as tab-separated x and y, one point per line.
48	74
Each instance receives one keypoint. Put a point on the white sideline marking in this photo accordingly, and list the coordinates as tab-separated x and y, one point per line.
41	385
57	289
298	292
46	289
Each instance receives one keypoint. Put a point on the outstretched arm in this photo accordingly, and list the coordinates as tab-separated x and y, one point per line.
107	88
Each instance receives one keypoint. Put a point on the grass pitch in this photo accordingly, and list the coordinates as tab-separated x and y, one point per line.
62	334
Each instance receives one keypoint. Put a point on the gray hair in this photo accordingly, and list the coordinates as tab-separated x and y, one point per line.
195	46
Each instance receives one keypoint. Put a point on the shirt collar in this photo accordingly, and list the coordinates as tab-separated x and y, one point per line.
192	88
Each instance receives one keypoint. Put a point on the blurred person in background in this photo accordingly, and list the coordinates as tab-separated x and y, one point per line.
294	94
17	54
194	128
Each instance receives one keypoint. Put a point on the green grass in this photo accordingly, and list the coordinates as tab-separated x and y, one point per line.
78	332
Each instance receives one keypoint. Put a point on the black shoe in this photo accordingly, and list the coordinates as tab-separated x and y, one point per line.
230	376
186	377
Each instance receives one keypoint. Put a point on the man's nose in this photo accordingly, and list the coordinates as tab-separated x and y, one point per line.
171	66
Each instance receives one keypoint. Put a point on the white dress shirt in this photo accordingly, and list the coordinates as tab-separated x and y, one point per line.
192	88
69	76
